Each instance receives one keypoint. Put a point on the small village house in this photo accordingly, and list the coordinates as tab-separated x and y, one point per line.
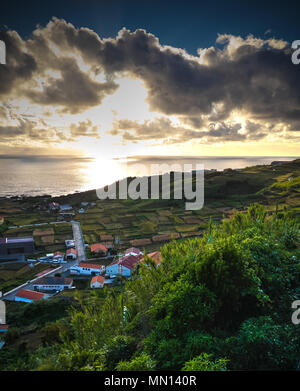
28	296
71	254
87	269
123	266
16	246
58	257
133	251
99	249
54	206
70	243
3	329
155	256
97	282
53	283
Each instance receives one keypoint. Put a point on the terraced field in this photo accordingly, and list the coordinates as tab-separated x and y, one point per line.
144	220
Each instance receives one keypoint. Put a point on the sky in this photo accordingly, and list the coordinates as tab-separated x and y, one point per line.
123	78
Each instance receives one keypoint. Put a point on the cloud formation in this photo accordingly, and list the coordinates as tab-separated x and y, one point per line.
59	65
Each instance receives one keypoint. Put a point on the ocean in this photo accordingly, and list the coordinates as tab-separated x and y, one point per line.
40	175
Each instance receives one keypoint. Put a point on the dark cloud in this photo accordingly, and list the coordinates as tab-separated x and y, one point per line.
253	76
74	90
20	65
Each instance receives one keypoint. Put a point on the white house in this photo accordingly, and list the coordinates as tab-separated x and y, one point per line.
87	269
58	257
71	254
70	243
53	283
133	251
97	282
123	266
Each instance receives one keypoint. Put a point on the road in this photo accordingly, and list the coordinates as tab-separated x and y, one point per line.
79	241
79	245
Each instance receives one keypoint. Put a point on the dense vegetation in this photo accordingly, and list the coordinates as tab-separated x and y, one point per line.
218	302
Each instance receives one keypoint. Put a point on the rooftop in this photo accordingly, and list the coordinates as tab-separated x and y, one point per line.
90	265
16	240
53	281
30	295
98	279
98	247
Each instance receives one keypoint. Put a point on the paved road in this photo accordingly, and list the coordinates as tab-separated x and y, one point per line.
79	241
79	245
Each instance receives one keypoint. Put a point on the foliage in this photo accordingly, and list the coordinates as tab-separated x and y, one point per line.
218	302
204	362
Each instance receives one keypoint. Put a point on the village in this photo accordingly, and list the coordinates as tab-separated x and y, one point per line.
65	269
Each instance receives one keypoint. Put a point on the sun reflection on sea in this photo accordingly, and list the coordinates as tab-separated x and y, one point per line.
100	172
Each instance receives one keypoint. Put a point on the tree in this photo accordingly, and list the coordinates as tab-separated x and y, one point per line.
205	362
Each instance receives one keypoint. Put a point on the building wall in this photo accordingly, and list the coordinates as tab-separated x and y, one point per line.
96	285
114	269
85	271
51	287
17	248
23	299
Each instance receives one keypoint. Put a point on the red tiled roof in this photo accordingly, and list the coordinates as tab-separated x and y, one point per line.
156	256
53	281
30	295
98	279
90	265
58	253
72	251
132	250
129	261
98	247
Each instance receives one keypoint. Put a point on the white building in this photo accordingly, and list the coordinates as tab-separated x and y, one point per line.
123	266
71	254
133	251
52	283
87	269
97	282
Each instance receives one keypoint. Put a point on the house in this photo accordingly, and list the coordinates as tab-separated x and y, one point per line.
156	256
28	296
16	246
81	210
54	206
97	282
84	203
3	328
71	254
99	249
123	266
53	283
133	251
70	243
58	257
87	269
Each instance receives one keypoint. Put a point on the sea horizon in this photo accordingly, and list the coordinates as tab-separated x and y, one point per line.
62	175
